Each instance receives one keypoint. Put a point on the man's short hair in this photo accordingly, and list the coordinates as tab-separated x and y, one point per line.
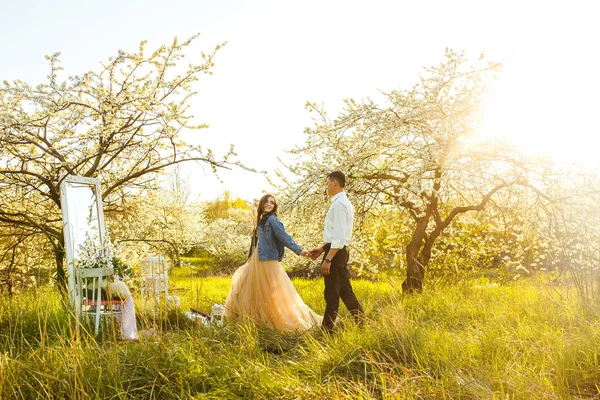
339	177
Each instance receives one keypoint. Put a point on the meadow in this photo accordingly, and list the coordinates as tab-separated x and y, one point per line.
524	339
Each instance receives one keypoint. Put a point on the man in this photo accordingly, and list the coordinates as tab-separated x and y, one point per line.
334	267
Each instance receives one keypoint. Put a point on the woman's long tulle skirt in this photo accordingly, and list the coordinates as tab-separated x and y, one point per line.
262	292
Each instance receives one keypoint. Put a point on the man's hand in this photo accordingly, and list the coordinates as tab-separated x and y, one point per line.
325	268
316	252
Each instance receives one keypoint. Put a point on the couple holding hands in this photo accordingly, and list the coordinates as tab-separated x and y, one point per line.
262	291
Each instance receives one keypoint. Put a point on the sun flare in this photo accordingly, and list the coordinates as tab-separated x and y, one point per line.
540	111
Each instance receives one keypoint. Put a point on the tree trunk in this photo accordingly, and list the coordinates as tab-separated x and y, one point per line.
415	268
415	271
9	273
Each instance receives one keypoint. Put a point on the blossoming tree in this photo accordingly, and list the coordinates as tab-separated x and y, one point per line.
415	152
120	124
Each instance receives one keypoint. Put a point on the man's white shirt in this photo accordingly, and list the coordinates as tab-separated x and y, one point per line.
339	221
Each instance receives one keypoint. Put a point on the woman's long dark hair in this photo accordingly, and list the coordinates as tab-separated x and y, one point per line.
261	216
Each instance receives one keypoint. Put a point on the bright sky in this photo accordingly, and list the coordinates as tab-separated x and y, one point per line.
281	54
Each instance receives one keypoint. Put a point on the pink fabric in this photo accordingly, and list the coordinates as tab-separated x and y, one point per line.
127	319
262	291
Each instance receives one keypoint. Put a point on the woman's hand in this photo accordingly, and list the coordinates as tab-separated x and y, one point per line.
305	253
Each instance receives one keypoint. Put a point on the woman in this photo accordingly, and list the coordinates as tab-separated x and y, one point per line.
260	289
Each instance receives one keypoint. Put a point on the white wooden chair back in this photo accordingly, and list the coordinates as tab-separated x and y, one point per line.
93	294
154	274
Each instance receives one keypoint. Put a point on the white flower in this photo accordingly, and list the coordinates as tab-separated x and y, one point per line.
94	253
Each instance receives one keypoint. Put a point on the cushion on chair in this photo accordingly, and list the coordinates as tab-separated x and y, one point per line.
106	303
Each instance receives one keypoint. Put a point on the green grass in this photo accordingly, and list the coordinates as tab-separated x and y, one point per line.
524	340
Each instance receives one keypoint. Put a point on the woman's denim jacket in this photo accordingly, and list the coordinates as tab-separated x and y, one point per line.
272	238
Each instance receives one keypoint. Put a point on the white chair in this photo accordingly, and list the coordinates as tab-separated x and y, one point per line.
154	280
92	299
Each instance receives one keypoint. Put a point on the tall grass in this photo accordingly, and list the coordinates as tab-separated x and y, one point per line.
524	340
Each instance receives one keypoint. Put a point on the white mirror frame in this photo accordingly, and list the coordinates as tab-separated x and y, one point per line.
94	183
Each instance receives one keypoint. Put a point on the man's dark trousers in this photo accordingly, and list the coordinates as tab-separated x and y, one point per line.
337	285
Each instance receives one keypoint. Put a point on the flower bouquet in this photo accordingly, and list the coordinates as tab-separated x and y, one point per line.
97	253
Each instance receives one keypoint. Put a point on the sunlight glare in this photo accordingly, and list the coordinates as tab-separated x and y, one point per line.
540	107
